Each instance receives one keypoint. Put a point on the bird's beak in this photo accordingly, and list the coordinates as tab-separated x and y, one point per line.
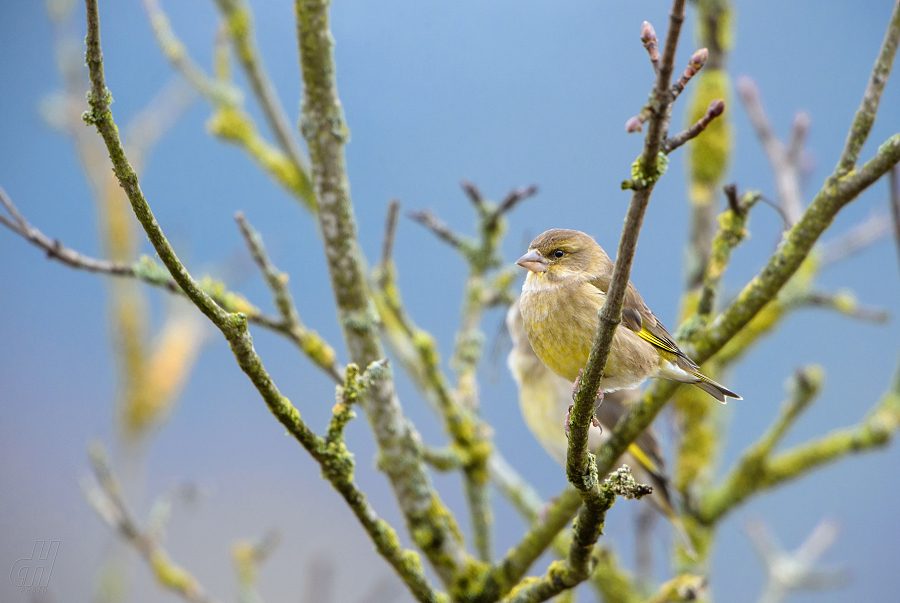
533	261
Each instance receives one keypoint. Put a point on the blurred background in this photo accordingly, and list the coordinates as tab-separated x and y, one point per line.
503	94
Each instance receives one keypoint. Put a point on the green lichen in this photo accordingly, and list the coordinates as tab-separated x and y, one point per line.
642	176
709	153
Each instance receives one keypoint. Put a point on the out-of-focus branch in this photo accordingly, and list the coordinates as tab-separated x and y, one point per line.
894	187
239	21
856	239
229	121
312	344
106	499
248	556
797	571
216	92
785	160
759	469
680	589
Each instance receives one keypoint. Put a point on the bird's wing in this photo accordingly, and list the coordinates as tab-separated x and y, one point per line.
637	317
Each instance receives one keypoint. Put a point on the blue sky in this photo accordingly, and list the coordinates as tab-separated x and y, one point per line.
502	94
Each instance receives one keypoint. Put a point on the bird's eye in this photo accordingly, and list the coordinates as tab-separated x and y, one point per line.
559	253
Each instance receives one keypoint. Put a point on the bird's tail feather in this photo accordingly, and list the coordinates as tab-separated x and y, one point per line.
716	390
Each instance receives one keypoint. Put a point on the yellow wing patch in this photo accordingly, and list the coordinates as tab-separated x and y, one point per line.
668	346
643	459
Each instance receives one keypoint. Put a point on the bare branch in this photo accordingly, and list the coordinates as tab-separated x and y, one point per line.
894	184
695	64
390	233
858	238
716	108
312	344
427	219
109	504
868	108
785	162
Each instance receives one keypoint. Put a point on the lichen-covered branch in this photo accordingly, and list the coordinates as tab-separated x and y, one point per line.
577	467
309	341
109	504
793	250
336	461
577	567
229	121
868	108
239	22
759	470
322	124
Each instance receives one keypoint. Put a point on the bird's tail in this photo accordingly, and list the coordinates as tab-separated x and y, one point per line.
716	390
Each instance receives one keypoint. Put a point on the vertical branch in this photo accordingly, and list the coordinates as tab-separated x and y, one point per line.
647	172
708	159
325	131
868	108
894	188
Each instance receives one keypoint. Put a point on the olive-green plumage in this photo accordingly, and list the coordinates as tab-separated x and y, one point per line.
544	399
569	274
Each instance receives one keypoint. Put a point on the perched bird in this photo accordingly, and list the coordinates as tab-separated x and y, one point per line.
569	274
544	399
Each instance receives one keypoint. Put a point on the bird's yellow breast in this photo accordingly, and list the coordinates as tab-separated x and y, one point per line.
561	321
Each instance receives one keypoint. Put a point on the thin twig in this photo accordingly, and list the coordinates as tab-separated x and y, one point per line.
868	108
855	240
784	161
427	219
894	186
695	64
473	193
716	108
312	344
109	504
390	233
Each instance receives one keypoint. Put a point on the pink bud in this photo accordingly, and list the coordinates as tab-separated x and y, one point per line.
698	59
648	34
716	108
634	124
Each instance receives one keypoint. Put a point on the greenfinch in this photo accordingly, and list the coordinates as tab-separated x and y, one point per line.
544	399
568	276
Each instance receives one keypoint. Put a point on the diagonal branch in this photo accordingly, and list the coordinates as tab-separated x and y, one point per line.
322	124
868	108
336	461
107	501
577	466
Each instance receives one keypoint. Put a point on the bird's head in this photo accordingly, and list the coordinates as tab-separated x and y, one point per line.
561	254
